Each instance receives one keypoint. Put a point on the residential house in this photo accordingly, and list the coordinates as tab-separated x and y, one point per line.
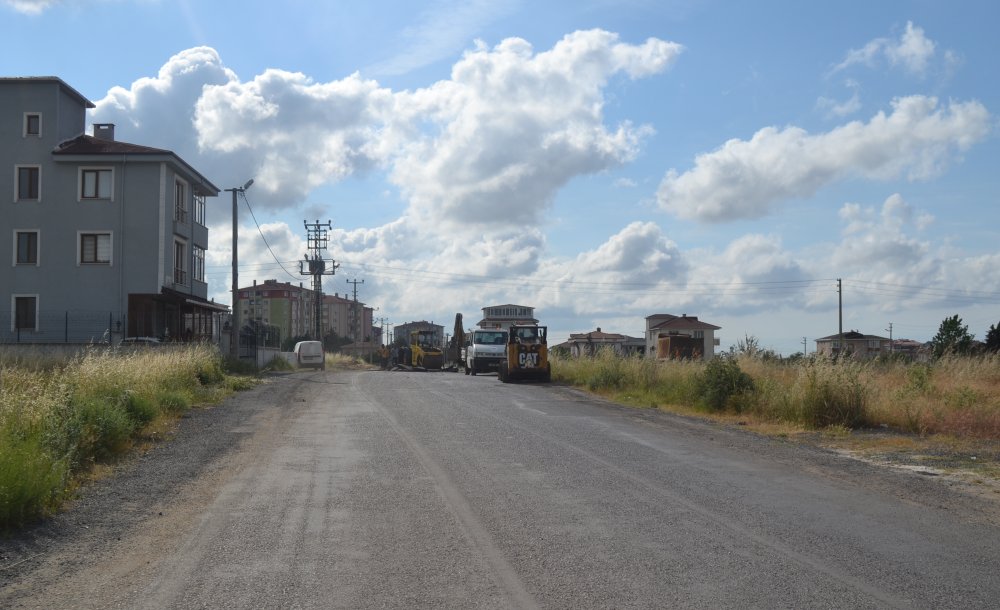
913	350
106	238
854	344
689	327
503	316
589	344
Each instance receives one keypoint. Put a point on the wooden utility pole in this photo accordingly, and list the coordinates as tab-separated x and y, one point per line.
234	337
354	308
840	314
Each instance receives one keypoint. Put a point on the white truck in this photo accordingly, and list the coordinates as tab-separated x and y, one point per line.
485	351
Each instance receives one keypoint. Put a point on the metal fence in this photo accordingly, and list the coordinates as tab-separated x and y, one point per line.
71	326
255	337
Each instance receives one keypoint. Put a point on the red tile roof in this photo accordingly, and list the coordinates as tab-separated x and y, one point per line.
685	323
89	145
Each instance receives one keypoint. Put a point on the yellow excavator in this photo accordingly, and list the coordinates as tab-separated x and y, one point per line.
424	353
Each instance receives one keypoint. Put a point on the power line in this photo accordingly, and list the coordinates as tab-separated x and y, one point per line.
775	288
247	201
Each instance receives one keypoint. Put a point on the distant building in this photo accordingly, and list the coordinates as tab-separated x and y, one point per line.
289	307
348	318
589	344
402	332
502	316
854	344
666	324
914	350
292	308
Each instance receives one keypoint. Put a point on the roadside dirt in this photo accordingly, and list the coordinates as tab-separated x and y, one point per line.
968	466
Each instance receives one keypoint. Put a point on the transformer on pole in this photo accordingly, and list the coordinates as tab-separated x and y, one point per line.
315	265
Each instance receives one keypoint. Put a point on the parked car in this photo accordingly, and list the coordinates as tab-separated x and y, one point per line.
140	342
310	354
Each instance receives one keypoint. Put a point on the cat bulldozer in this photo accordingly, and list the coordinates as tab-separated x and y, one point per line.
423	351
527	354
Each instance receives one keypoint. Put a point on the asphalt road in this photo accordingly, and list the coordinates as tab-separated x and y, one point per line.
405	490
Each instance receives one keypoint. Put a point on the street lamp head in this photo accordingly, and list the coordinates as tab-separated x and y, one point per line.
248	184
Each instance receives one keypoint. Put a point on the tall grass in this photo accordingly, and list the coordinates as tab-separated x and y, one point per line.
58	417
955	395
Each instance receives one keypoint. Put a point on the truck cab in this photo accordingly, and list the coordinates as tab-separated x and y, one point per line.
485	351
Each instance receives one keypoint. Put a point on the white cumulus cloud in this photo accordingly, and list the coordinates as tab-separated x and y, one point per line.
912	51
511	127
749	178
491	145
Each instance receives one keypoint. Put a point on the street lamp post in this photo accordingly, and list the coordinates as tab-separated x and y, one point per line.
234	337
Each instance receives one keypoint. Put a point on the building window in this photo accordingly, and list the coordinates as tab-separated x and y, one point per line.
32	124
199	209
180	202
25	312
874	343
180	263
29	183
95	248
699	334
26	248
198	266
95	184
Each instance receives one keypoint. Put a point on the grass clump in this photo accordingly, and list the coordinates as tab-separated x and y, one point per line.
60	417
32	482
832	394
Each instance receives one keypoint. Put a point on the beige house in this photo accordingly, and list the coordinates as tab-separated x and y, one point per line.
854	344
666	324
589	344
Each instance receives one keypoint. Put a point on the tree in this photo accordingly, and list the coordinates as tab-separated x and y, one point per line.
993	339
952	338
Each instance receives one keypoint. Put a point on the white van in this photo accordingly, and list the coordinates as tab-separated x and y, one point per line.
310	353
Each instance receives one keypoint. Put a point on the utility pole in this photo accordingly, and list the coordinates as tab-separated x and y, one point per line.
354	308
805	350
840	314
316	266
381	324
234	337
890	337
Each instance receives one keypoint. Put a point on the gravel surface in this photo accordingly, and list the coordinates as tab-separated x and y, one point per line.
376	489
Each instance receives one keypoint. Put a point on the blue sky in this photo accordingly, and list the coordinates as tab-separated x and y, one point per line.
600	161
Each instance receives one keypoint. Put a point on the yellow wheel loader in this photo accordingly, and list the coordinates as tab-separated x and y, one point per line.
527	354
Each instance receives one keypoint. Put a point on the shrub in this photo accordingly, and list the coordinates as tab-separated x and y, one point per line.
723	384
